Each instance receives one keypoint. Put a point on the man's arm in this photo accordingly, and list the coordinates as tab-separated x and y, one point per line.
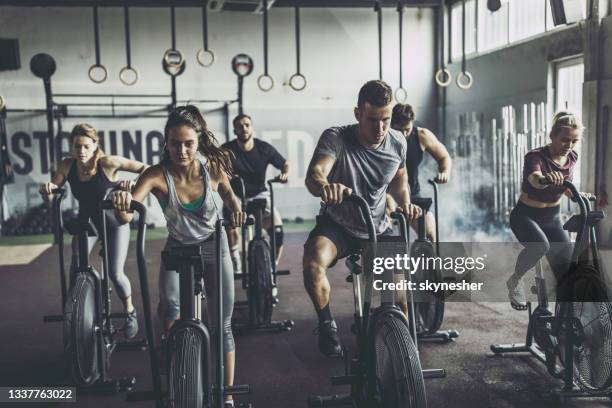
284	176
400	192
438	151
318	170
399	188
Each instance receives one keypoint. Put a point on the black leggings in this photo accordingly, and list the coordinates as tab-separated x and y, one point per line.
536	229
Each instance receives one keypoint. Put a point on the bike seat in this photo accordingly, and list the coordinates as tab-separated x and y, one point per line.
575	222
183	255
423	202
257	204
76	225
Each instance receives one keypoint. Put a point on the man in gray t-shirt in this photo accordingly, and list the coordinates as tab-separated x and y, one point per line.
367	159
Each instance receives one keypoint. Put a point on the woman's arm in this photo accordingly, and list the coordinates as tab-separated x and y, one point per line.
58	179
147	182
230	200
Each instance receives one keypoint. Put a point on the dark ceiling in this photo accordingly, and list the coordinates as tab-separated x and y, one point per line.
198	3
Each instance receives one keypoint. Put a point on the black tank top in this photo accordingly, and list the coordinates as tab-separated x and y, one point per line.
414	157
90	193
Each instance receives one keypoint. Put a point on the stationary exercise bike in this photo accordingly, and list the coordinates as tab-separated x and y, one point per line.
189	357
89	333
579	332
386	371
429	308
259	275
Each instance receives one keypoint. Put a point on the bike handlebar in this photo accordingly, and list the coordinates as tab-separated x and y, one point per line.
366	213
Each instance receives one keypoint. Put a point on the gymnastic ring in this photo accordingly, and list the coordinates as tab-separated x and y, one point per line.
173	58
122	76
93	69
260	81
466	85
200	57
440	74
295	77
1	102
400	92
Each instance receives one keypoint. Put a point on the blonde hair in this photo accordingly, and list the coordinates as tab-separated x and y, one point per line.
565	120
86	130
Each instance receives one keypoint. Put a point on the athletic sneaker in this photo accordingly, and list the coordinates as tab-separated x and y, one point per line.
516	293
329	342
131	325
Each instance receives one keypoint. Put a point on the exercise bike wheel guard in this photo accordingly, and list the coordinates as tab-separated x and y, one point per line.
429	306
186	376
399	378
590	332
80	337
260	282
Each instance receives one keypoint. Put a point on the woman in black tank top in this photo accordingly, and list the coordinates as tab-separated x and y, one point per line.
91	175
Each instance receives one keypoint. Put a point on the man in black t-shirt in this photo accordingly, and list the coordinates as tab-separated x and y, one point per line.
251	159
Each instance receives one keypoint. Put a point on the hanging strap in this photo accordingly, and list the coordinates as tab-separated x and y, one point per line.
297	39
297	82
265	75
443	76
173	26
96	34
128	50
173	62
128	53
464	72
400	93
378	9
265	36
97	67
463	36
205	25
205	56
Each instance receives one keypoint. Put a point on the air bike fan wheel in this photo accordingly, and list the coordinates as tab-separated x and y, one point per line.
260	284
586	322
80	348
429	306
399	378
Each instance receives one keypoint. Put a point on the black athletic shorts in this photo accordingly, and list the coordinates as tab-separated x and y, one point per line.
346	244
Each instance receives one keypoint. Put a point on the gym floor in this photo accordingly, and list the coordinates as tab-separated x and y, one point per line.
283	369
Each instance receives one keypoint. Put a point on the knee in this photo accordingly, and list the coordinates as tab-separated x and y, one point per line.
169	307
228	338
540	248
168	310
314	270
279	235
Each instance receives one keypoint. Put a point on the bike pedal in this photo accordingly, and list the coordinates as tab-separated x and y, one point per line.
519	307
342	380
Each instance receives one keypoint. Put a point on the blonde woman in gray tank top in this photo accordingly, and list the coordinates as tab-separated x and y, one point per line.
192	168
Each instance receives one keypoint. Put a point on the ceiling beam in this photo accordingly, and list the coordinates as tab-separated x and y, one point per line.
198	3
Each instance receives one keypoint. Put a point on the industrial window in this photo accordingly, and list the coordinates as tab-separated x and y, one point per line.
456	28
492	27
527	18
569	78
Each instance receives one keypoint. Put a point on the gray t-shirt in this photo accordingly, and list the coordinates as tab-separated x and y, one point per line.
367	171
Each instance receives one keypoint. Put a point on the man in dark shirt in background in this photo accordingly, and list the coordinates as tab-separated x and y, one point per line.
251	159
